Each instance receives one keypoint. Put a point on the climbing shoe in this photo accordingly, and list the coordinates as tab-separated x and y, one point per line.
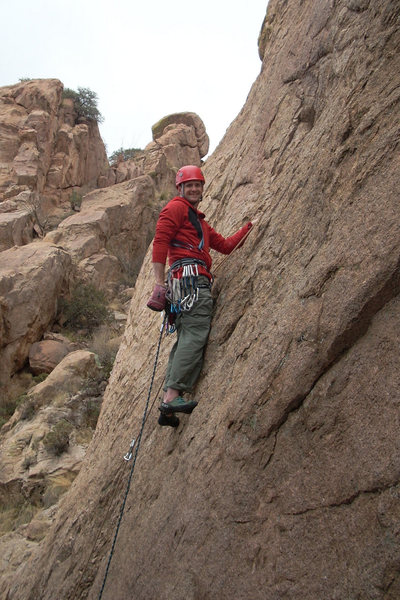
178	404
165	421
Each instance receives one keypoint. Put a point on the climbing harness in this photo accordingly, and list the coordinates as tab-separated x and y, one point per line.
183	284
133	453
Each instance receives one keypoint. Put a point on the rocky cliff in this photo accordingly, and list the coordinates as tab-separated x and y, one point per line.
46	147
284	482
103	238
51	388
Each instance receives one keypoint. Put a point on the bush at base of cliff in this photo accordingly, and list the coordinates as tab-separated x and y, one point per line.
57	440
105	346
7	410
86	309
91	412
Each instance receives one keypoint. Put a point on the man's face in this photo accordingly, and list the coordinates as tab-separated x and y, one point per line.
193	191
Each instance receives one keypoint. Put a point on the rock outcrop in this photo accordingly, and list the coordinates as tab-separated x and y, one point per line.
104	242
44	147
104	245
16	228
47	154
178	139
284	482
32	279
110	235
42	448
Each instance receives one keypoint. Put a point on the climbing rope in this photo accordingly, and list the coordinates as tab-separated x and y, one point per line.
128	456
135	444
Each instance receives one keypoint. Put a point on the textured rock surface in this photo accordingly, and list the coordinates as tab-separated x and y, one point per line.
178	139
16	229
45	355
111	233
189	129
44	149
42	144
32	278
32	476
284	483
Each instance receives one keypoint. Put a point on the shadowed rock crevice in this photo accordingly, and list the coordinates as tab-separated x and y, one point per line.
391	487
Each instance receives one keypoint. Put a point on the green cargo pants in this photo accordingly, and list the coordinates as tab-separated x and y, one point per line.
186	356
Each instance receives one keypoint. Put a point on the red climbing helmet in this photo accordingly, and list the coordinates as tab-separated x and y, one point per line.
189	173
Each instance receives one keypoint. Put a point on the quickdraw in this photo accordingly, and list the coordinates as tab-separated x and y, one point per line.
183	285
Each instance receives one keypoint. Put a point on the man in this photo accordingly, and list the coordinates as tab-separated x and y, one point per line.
183	235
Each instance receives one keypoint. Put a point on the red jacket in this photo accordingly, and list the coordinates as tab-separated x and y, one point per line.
175	226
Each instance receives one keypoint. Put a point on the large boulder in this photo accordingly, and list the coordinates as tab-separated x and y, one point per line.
108	238
16	228
185	126
32	278
45	355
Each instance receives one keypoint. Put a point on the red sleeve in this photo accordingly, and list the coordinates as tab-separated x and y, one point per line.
226	245
169	221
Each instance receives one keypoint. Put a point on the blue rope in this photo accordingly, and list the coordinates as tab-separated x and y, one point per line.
133	464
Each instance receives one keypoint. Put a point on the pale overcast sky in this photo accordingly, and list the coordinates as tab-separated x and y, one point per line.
144	59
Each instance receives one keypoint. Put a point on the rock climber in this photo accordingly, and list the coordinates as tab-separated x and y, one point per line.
184	236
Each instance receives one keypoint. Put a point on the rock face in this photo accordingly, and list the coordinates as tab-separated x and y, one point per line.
103	244
178	139
32	278
284	482
16	228
43	146
34	473
109	237
45	153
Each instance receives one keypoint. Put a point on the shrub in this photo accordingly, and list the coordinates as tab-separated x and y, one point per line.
105	347
15	511
86	309
28	409
124	154
8	406
75	200
91	413
7	409
85	102
57	440
39	378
